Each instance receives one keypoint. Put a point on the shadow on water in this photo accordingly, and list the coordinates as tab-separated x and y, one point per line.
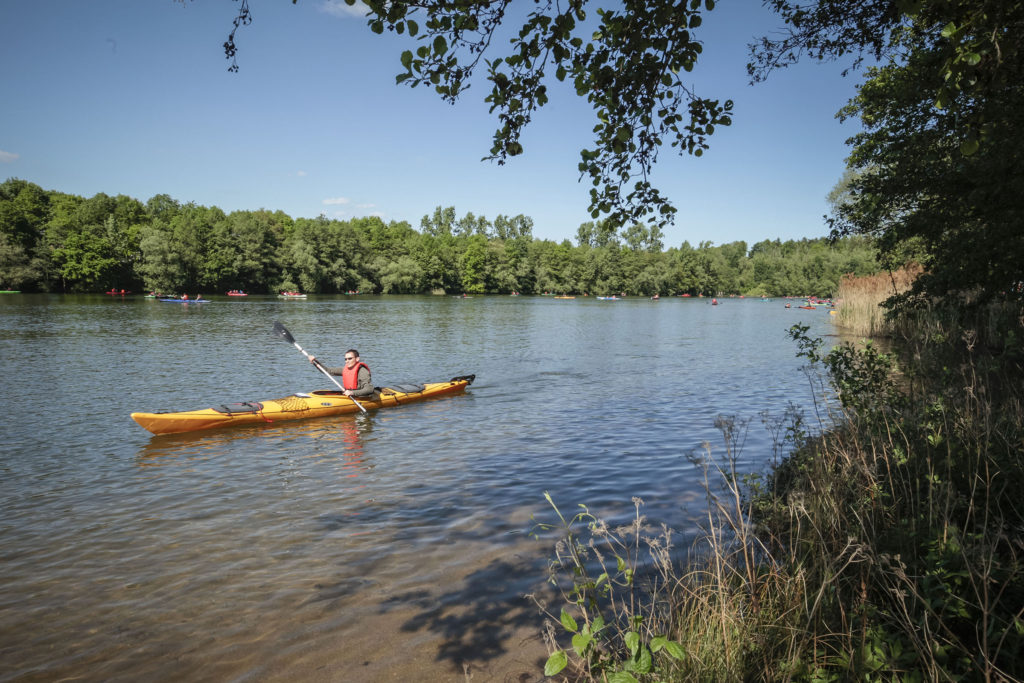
476	620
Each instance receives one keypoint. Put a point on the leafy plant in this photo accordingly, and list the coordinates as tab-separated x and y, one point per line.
612	623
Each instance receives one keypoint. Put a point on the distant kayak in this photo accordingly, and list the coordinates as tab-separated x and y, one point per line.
291	295
237	292
186	301
608	298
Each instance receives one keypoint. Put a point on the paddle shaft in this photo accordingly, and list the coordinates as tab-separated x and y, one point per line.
322	369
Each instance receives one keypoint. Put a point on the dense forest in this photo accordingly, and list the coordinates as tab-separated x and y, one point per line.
56	242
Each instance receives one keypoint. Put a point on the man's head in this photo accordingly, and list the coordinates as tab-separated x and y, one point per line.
351	357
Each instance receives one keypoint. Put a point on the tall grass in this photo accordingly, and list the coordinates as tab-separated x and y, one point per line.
888	545
860	299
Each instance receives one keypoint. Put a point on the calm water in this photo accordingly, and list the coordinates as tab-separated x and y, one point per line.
393	547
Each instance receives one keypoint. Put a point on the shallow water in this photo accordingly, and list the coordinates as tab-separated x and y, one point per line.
388	547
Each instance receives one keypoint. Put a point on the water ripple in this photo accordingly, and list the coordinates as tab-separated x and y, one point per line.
252	552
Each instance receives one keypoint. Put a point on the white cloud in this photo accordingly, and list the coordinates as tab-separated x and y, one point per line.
301	174
7	157
365	206
340	8
334	201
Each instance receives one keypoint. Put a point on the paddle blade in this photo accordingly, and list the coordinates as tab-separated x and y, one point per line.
282	332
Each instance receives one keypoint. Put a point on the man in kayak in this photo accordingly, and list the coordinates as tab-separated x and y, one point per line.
355	374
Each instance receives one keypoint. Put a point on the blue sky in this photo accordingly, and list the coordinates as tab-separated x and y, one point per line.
134	97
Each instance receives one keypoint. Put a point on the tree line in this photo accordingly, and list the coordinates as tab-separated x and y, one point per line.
51	241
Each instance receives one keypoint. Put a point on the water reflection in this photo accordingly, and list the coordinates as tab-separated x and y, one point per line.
339	439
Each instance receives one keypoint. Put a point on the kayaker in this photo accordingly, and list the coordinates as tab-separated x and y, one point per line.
355	374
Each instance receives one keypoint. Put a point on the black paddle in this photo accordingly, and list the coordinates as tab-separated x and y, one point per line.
281	331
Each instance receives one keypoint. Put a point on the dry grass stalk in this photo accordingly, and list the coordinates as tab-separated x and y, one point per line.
860	309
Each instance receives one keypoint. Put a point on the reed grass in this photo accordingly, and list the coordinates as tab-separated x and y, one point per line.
860	310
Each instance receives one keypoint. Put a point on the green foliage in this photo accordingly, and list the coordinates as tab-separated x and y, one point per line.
899	514
935	172
934	169
631	64
616	636
53	241
864	379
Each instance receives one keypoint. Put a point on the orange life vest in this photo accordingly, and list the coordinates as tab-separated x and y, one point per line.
350	376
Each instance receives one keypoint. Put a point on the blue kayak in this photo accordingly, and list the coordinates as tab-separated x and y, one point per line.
186	301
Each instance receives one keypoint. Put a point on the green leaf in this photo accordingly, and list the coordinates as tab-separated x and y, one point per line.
675	650
580	641
407	58
972	58
440	45
632	641
948	30
643	661
622	677
968	148
413	27
568	622
556	662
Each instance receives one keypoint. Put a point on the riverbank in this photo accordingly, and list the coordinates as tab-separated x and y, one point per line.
886	545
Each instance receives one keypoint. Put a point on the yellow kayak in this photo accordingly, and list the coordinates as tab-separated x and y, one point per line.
295	407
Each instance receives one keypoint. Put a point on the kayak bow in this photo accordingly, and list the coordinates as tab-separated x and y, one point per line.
295	407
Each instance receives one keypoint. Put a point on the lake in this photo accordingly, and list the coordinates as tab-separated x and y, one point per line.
389	547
